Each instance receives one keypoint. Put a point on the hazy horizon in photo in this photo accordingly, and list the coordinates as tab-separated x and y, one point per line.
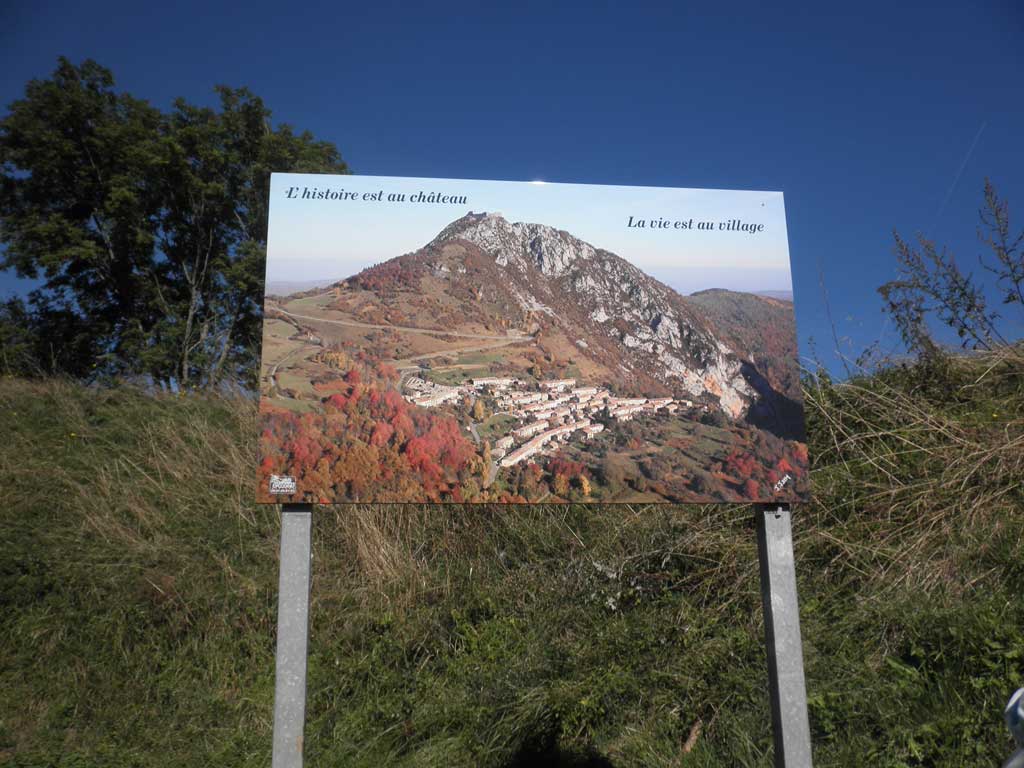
680	283
315	242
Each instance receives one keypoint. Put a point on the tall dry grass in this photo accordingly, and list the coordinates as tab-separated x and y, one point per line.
907	463
139	588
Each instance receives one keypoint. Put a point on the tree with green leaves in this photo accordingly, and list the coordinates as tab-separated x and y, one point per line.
147	228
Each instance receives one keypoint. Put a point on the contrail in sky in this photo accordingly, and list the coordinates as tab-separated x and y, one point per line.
956	179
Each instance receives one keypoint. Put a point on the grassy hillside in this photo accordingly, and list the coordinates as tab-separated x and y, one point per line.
137	598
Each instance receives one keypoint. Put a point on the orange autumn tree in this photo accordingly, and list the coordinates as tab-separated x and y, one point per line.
367	444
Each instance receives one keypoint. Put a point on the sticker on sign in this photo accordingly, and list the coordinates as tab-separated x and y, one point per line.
282	485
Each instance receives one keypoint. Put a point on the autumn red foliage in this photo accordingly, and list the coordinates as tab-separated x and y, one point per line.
366	445
559	465
756	474
390	277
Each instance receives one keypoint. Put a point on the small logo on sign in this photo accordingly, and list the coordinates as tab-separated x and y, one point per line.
782	483
282	484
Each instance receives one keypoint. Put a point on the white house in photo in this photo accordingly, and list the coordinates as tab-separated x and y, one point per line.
436	397
523	452
625	413
505	443
493	381
558	384
521	398
534	407
530	429
621	402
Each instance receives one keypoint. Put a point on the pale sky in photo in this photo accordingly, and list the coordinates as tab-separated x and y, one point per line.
314	239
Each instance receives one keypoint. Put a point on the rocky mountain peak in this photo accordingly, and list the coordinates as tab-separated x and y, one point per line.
550	250
611	312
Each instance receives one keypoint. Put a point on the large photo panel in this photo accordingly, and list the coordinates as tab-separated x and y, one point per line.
440	340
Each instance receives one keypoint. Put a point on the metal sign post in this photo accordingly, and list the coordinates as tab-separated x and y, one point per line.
292	635
787	688
790	725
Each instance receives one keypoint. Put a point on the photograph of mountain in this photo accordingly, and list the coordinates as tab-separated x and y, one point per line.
452	352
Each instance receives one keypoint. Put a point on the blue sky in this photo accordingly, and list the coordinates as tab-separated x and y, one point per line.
868	116
368	219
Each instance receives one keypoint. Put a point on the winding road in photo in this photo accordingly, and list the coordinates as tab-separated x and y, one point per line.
407	329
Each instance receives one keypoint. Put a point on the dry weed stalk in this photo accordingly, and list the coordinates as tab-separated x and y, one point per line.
916	471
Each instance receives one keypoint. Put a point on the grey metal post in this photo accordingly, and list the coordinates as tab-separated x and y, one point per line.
790	726
1014	715
292	635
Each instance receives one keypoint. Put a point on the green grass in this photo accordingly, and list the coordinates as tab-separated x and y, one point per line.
138	589
310	302
451	376
296	406
496	426
483	359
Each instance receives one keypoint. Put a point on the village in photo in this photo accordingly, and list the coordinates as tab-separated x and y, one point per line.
507	342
